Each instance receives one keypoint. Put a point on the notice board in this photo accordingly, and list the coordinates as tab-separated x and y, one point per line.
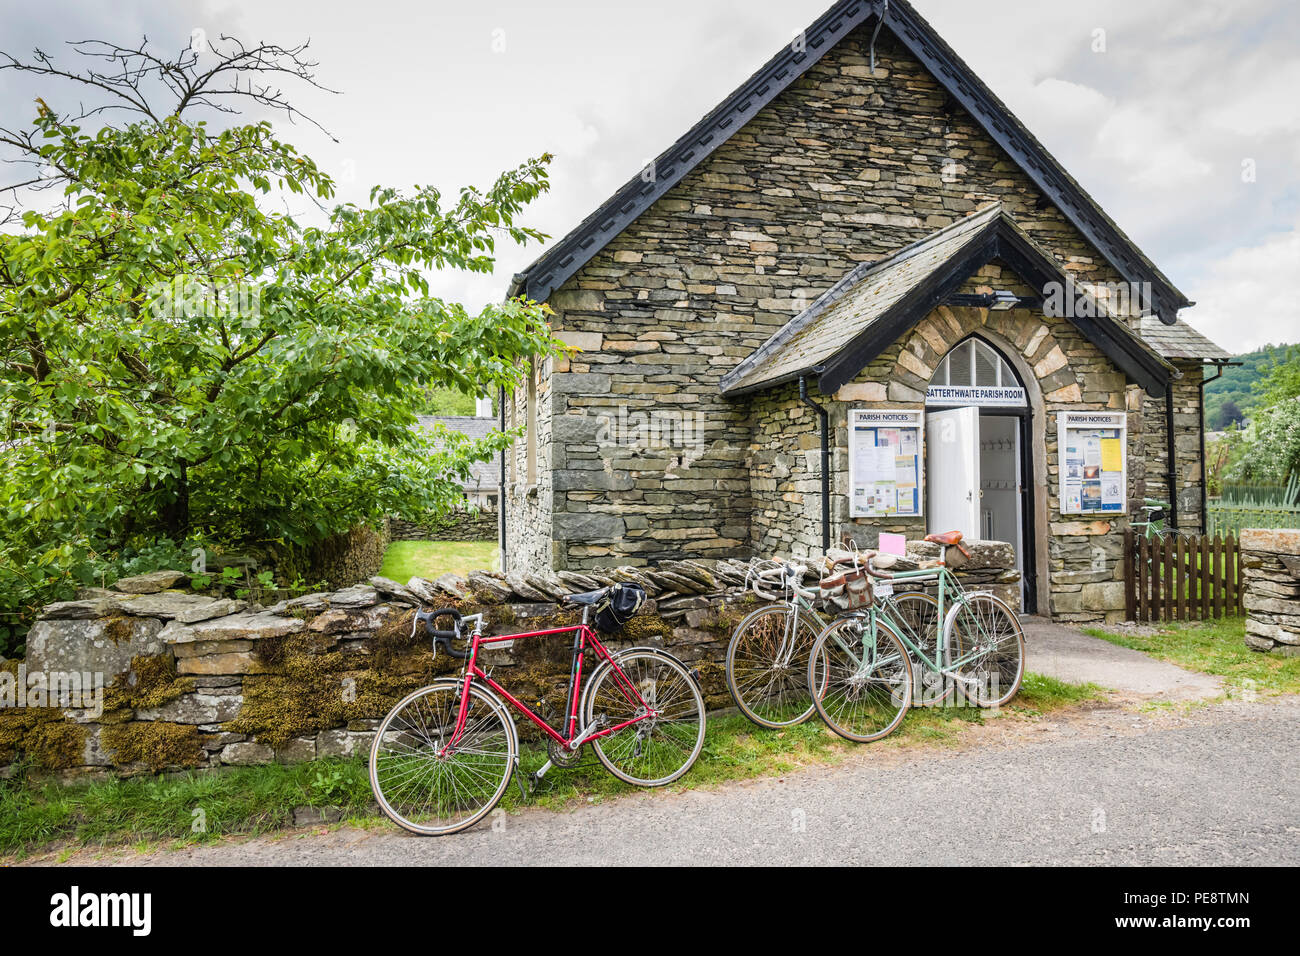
1093	450
885	463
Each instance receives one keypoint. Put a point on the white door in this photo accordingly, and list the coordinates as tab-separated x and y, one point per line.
952	470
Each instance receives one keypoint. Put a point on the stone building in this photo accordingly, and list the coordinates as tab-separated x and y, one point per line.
858	296
482	485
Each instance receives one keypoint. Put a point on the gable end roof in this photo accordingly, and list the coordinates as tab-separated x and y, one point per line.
566	257
875	304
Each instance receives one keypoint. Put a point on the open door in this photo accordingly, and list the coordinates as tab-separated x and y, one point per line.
952	471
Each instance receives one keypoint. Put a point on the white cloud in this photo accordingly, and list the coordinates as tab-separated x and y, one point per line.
1150	151
1245	299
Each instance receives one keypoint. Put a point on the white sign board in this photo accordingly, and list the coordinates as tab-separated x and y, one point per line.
979	396
885	463
1092	449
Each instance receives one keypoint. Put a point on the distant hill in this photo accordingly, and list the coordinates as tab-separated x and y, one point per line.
1232	397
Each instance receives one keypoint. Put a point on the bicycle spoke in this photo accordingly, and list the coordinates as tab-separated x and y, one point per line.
867	679
767	662
656	749
426	782
986	647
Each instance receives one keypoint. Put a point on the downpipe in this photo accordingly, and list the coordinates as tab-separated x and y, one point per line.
826	460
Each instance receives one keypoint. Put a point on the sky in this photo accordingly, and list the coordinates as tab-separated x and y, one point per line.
1181	117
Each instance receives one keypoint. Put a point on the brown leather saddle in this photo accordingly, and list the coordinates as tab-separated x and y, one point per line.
948	539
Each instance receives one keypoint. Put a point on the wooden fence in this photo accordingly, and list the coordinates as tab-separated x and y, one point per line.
1181	577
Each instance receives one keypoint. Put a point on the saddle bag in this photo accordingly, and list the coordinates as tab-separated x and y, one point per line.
618	607
849	590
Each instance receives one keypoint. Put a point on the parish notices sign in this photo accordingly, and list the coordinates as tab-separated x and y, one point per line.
1093	449
885	463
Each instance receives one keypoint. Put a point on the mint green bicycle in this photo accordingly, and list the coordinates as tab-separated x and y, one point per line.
862	663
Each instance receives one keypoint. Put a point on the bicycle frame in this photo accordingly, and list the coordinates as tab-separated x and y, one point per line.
947	583
584	635
798	604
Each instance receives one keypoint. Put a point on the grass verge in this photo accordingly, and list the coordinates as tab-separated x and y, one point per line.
202	806
428	559
1214	647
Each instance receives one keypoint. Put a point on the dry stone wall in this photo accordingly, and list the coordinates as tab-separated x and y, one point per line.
145	679
460	525
1270	563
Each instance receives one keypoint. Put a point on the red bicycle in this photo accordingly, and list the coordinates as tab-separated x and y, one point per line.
443	757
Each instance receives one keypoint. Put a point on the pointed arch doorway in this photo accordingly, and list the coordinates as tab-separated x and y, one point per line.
979	454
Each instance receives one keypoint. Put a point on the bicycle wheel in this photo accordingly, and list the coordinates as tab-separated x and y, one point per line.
424	785
986	648
767	665
868	679
653	752
915	615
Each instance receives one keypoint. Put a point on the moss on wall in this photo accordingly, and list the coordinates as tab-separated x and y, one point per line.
41	736
156	744
150	683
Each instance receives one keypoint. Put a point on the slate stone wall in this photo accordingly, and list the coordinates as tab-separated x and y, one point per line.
1270	562
1189	473
460	525
188	680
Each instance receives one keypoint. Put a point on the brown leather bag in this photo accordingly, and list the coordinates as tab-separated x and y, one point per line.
857	588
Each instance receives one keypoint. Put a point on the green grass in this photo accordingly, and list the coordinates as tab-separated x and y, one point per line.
146	812
428	559
1218	648
190	808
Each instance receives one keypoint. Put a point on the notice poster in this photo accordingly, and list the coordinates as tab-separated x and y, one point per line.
1093	467
885	463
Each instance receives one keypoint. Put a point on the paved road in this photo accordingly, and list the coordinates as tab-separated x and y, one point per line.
1220	785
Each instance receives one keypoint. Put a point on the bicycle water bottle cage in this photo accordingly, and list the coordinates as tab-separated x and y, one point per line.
441	638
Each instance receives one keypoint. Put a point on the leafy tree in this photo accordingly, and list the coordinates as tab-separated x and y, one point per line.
1228	413
1238	382
1270	453
179	357
1282	382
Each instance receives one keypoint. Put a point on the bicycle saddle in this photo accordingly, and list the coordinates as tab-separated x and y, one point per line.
947	538
586	597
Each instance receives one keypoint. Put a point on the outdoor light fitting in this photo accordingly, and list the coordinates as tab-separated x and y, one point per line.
1001	301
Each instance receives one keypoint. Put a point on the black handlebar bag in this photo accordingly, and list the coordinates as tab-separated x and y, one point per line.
618	607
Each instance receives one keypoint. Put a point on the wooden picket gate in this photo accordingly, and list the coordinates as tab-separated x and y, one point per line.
1181	577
